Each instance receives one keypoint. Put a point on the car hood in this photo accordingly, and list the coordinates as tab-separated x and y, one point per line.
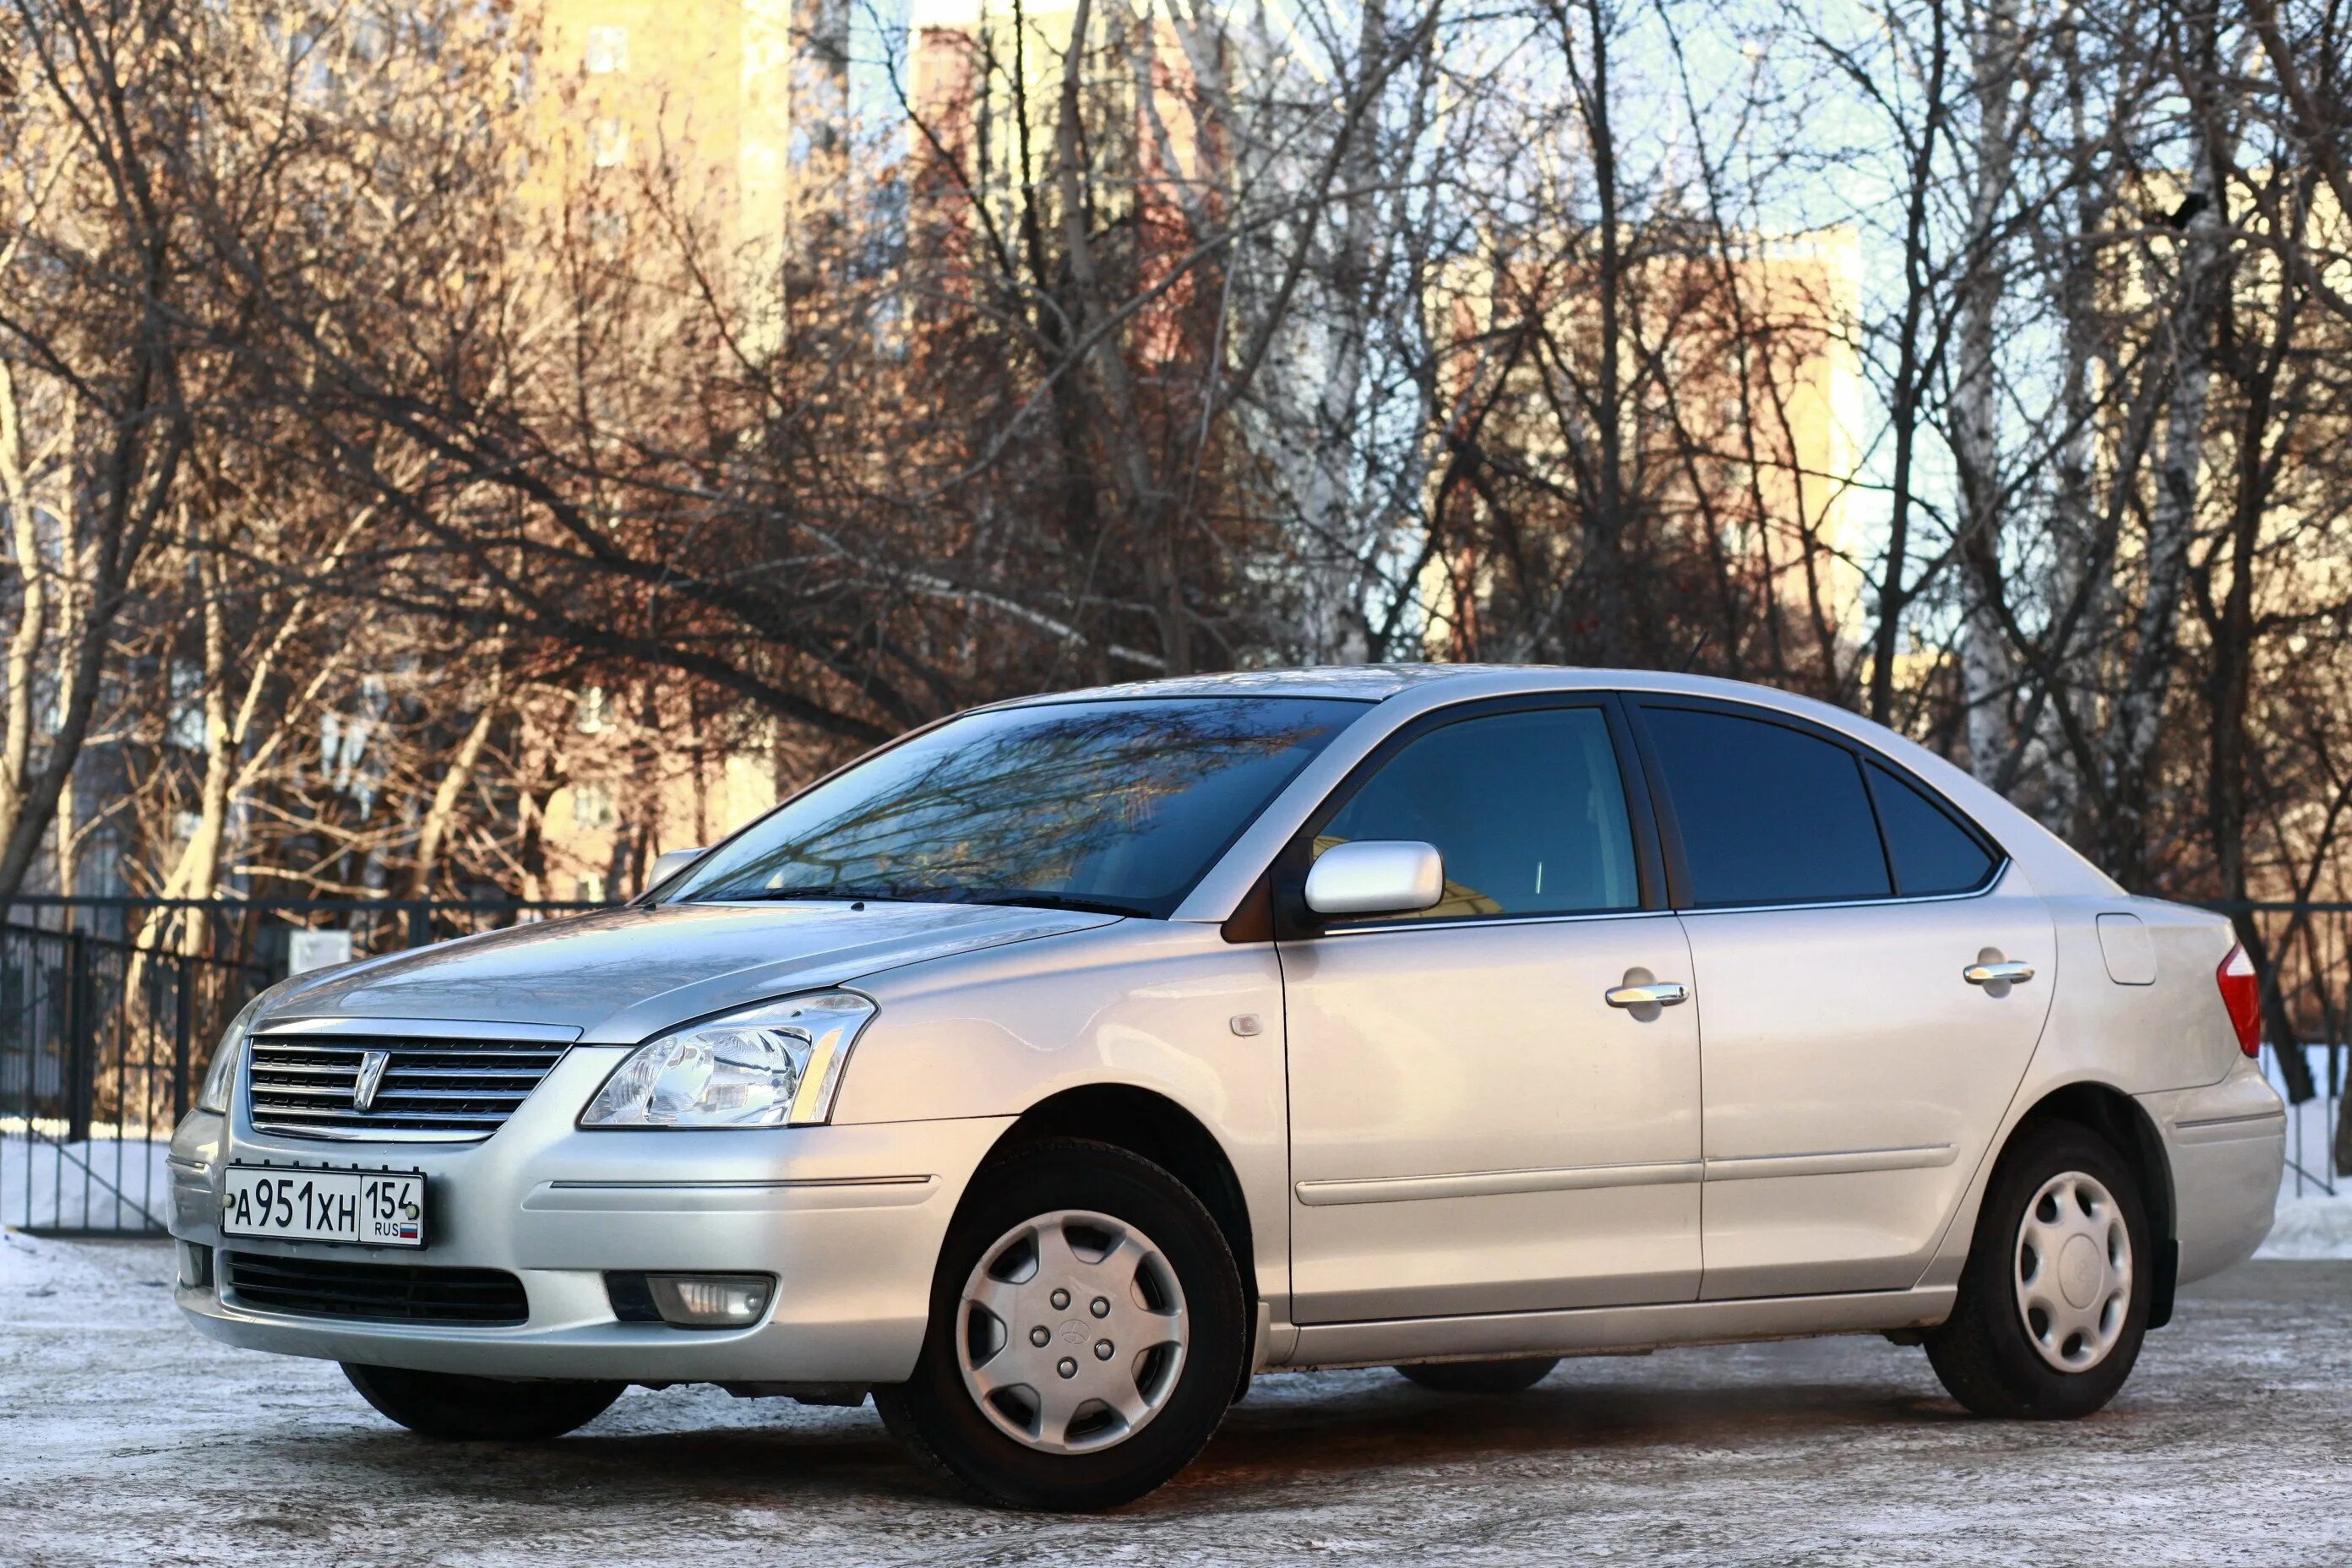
622	975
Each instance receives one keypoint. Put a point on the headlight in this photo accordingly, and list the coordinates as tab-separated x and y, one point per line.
213	1095
776	1065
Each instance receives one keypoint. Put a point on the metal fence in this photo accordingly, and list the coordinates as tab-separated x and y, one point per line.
2304	951
110	1009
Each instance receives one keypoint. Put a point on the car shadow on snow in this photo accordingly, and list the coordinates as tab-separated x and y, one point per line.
1294	1429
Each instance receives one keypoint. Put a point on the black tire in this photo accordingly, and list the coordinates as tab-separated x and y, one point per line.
484	1409
940	1421
1513	1377
1984	1353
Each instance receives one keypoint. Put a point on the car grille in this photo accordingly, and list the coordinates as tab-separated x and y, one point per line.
433	1091
330	1287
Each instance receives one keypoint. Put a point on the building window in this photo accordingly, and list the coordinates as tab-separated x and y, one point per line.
608	50
595	714
608	142
592	805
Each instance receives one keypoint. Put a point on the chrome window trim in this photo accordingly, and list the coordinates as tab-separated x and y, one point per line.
1467	920
1991	887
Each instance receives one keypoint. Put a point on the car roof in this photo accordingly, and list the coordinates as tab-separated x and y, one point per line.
2056	868
1362	682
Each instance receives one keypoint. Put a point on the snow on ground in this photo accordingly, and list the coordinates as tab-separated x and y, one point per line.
126	1437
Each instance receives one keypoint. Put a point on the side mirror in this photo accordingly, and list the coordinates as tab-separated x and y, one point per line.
1376	876
669	864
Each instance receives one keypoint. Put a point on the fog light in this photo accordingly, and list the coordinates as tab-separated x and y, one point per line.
690	1301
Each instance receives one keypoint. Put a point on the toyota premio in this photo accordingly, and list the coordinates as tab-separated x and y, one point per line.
1050	1072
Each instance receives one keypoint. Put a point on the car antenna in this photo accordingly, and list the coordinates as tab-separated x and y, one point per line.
1696	649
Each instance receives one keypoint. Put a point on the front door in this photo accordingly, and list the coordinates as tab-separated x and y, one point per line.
1855	1070
1474	1126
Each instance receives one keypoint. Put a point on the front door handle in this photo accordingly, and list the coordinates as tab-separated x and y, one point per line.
1655	994
2008	972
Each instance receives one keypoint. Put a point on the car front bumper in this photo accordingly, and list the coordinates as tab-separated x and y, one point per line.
850	1220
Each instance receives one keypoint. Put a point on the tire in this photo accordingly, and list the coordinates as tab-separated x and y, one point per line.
1513	1377
484	1409
2003	1353
1019	1247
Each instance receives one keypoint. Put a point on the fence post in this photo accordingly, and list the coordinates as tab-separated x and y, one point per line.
420	923
182	1024
81	1048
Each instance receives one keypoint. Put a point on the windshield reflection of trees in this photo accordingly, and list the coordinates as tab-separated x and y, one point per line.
1124	804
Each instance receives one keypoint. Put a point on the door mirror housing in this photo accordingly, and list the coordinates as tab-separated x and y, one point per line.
669	864
1376	876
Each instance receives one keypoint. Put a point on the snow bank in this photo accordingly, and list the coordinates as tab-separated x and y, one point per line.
100	1184
2313	1226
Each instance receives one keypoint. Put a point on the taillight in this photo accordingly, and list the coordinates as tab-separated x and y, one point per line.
2242	994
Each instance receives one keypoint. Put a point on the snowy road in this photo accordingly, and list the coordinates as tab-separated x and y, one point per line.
126	1438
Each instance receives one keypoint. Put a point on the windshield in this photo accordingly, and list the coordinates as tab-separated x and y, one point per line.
1116	806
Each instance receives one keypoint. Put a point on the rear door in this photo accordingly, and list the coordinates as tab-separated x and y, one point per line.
1853	1073
1474	1128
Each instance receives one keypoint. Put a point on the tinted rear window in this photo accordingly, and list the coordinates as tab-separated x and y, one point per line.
1933	853
1770	815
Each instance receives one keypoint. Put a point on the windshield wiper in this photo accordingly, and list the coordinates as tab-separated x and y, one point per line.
780	895
1055	902
1008	898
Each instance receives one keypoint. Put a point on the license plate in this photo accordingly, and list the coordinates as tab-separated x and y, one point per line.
371	1208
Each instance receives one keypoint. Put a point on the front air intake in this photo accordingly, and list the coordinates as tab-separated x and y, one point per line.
384	1292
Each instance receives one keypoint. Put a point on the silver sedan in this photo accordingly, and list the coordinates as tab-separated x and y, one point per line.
1049	1072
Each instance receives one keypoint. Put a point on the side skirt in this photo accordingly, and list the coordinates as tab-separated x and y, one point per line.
1604	1330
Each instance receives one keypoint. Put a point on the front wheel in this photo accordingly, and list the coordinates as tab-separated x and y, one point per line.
2054	1301
1087	1333
1513	1376
492	1409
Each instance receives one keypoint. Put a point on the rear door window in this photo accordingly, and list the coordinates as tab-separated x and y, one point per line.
1933	853
1527	809
1770	814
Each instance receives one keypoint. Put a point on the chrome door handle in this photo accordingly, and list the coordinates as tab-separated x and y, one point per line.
1656	994
2008	971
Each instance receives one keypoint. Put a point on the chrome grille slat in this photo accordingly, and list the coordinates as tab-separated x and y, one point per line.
458	1090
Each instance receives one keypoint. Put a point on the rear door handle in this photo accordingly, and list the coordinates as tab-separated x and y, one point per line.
2008	971
1656	994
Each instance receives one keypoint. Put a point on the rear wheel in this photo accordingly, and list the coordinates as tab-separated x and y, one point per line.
1087	1333
493	1409
2053	1301
1512	1376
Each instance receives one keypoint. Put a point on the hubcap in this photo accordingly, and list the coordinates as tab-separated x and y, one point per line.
1071	1332
2073	1271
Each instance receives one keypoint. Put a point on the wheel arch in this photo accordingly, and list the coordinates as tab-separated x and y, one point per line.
1147	1123
2121	1120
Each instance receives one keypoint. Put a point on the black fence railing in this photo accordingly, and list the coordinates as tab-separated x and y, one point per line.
110	1009
2304	952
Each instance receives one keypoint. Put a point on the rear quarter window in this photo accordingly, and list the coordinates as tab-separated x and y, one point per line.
1932	852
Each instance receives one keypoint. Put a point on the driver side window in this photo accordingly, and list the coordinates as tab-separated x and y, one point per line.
1526	808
